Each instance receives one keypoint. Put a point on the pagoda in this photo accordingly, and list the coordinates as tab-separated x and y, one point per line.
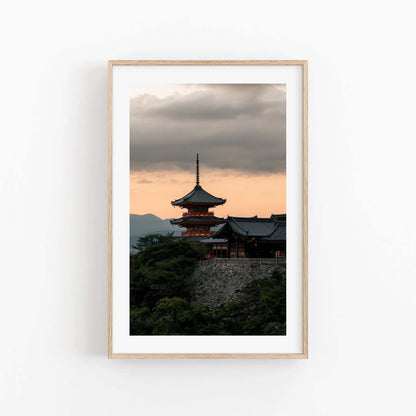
198	220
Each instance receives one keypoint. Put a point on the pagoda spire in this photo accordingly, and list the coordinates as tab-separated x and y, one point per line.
199	219
197	169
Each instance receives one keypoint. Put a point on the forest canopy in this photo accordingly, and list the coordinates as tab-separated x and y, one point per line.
162	302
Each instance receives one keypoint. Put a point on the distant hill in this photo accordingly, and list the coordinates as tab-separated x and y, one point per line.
141	225
151	224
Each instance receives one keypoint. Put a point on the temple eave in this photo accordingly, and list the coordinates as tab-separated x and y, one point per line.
184	204
202	221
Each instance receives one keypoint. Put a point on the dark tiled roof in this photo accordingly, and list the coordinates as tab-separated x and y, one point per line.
278	217
194	239
199	196
213	240
201	239
278	234
253	227
197	220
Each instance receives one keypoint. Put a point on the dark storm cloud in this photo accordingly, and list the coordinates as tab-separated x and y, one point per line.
240	127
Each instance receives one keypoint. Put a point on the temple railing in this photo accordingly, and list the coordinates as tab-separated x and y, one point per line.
198	214
197	233
280	260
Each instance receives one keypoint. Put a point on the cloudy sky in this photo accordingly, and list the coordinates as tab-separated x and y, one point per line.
239	131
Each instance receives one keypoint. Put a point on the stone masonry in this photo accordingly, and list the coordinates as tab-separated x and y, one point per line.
218	283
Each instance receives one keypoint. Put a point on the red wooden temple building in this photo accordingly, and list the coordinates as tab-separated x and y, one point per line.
198	219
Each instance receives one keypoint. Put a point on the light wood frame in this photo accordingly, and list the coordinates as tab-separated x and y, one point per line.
304	355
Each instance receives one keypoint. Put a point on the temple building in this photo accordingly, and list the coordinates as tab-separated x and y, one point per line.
239	237
198	220
251	237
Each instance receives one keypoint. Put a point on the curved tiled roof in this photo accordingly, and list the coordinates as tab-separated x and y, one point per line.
278	234
254	227
267	229
197	220
199	196
278	217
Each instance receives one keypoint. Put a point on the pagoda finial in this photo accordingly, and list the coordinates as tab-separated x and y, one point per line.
197	169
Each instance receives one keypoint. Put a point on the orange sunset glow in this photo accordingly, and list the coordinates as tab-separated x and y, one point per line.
261	195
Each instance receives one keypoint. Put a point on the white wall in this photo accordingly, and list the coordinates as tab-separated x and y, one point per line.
53	215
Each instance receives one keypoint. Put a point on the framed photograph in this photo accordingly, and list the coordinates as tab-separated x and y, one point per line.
208	242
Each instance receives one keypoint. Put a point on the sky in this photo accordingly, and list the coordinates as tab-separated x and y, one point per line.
239	132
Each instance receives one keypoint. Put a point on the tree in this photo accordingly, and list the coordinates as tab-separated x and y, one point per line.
161	296
176	316
260	308
151	240
141	321
163	270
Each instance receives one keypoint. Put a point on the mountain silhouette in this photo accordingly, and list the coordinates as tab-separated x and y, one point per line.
151	224
141	225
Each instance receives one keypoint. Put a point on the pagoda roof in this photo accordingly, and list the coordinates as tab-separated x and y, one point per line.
197	220
199	196
211	240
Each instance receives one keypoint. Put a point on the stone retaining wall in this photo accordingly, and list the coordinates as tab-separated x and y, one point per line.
216	284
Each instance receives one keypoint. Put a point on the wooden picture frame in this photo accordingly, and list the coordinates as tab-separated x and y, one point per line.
301	65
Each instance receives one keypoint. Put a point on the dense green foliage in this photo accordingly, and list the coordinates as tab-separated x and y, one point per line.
259	310
152	239
161	296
